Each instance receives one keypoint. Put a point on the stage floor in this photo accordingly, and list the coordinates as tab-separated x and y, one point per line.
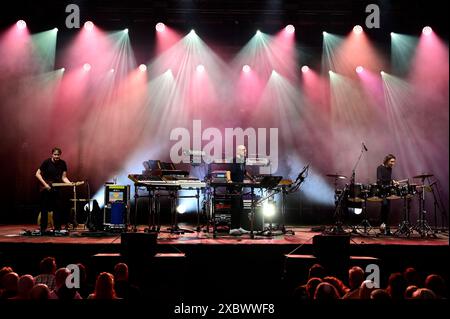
302	235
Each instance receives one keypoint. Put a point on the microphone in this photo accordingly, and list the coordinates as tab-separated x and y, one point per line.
364	145
300	176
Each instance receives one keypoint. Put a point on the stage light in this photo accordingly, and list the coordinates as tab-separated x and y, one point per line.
305	68
355	210
382	72
200	68
258	32
324	32
55	29
330	72
427	30
359	69
192	31
86	67
160	27
357	29
246	68
181	209
142	67
112	70
290	28
63	69
21	24
125	30
268	209
88	25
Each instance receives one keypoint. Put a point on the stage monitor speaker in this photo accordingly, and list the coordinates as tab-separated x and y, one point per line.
135	246
332	247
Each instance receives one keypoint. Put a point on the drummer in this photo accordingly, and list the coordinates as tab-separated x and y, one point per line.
384	178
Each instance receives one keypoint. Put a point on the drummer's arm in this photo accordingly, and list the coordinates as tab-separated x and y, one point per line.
396	183
65	179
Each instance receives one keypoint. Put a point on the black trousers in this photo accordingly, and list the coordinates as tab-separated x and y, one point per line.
385	209
50	201
237	206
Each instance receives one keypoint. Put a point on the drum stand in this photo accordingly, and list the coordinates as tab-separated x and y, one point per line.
365	224
422	226
405	228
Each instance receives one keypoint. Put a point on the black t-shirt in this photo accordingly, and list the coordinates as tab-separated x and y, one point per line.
52	171
237	170
384	175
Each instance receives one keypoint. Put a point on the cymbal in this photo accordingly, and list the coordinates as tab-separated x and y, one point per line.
423	176
337	176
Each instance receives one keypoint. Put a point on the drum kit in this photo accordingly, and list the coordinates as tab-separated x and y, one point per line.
354	194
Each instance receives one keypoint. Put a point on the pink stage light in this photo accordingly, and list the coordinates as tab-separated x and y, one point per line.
88	25
86	67
290	28
357	29
200	68
427	30
142	67
246	68
305	68
160	27
359	69
21	24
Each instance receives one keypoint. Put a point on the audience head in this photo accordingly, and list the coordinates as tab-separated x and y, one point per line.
121	272
3	272
40	292
316	271
48	265
10	282
61	276
366	289
355	277
424	293
436	284
311	286
338	284
104	286
412	277
409	291
326	291
396	286
24	286
380	294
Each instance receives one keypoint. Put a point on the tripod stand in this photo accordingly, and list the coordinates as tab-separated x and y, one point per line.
422	226
365	224
404	228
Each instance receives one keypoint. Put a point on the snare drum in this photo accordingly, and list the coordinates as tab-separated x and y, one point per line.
408	190
356	193
375	193
392	192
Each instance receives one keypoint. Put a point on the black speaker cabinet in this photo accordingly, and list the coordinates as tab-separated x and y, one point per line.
328	247
138	245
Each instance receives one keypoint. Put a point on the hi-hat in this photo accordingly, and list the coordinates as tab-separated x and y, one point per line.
423	176
337	176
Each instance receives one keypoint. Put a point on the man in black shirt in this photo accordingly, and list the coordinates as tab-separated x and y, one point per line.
384	178
52	170
236	174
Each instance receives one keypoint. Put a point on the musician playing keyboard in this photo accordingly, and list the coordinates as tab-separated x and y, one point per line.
236	174
52	170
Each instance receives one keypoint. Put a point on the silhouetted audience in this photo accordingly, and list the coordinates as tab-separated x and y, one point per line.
316	271
380	295
85	287
338	284
10	282
104	287
326	291
437	285
40	292
61	290
24	287
396	286
47	276
366	289
412	277
423	293
122	286
355	279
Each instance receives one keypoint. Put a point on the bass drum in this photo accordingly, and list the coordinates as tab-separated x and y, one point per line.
375	193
